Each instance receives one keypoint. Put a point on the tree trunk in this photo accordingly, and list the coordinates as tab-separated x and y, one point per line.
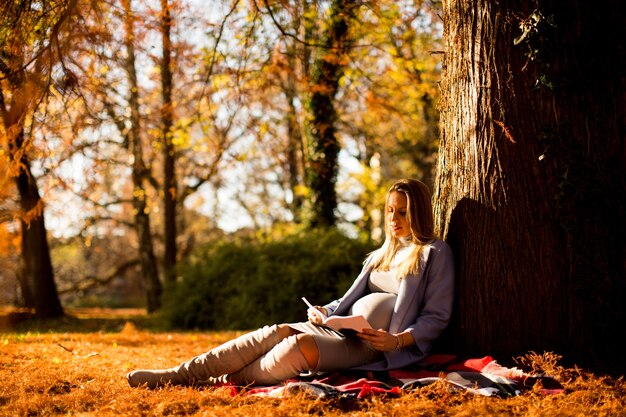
147	259
295	145
530	178
36	279
38	276
322	144
169	173
294	150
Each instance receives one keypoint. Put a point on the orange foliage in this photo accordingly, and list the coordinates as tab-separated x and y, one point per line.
58	368
9	240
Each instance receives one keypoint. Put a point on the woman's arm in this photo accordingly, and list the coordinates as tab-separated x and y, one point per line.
438	299
384	341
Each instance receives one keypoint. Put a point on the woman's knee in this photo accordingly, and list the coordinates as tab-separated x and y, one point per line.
308	348
284	331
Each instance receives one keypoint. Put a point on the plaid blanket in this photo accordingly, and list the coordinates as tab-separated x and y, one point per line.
481	376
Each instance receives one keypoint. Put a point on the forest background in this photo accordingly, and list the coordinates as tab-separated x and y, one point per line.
154	132
195	158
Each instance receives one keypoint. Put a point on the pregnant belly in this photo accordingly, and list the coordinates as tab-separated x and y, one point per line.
377	308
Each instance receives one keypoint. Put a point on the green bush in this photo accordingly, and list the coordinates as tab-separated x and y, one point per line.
246	285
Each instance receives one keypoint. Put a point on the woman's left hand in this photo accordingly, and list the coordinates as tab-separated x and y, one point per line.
379	339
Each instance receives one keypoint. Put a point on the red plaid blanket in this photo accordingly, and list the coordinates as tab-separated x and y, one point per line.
483	376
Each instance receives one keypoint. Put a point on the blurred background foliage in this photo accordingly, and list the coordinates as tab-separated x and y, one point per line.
176	153
245	284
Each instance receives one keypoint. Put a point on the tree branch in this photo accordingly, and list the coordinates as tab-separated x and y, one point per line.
217	42
90	282
54	33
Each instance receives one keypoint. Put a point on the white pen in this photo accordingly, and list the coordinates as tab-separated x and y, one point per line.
307	302
323	316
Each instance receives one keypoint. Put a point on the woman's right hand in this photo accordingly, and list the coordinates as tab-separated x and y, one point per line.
316	314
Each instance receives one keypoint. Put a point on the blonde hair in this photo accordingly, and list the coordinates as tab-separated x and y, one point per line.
421	222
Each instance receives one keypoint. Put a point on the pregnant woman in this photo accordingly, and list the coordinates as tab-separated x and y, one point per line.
404	290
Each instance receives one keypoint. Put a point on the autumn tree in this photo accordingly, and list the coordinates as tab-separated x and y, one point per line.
168	146
286	74
253	104
31	63
168	151
315	44
140	173
530	189
384	104
387	109
115	147
322	144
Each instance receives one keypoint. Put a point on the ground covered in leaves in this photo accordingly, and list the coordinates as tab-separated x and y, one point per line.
76	366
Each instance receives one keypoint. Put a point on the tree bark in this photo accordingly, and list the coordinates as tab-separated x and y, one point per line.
170	194
37	274
322	143
530	176
147	259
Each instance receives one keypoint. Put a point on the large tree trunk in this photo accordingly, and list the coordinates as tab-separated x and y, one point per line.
38	287
530	187
322	143
169	157
37	273
36	279
147	259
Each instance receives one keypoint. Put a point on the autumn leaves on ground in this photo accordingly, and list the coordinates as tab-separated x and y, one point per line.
76	366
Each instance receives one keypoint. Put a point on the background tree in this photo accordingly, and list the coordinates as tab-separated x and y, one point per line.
88	186
321	117
140	173
386	78
198	140
241	77
31	60
531	175
169	157
387	110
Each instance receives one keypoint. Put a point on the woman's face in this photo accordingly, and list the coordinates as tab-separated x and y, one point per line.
396	215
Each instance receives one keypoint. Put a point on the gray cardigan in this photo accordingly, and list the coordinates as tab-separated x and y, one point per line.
423	306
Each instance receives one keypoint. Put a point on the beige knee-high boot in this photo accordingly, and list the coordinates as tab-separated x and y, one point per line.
224	359
284	361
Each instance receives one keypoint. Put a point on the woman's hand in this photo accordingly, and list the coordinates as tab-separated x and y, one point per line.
316	314
379	339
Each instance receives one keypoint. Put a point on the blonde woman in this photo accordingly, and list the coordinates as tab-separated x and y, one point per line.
405	291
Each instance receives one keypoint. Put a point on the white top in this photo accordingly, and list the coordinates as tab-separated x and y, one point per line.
377	307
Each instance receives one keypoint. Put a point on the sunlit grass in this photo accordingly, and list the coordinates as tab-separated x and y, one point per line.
75	372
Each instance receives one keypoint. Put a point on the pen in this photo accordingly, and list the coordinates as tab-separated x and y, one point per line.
307	302
322	315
